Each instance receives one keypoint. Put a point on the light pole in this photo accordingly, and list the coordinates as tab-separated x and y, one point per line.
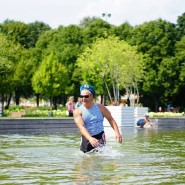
106	15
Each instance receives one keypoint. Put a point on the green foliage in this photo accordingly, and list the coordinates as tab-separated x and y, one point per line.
16	108
179	60
45	113
111	61
66	43
23	74
36	112
34	31
6	66
107	65
156	39
166	114
16	31
51	77
85	22
181	26
24	34
124	31
10	55
180	57
95	29
43	42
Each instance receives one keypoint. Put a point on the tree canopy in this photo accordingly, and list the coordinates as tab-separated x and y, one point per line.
111	61
147	59
50	78
157	39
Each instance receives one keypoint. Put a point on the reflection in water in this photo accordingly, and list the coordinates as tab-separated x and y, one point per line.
96	169
147	156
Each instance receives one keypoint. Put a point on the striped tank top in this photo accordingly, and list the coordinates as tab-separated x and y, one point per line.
93	119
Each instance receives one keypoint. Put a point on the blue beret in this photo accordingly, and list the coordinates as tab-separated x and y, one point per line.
88	87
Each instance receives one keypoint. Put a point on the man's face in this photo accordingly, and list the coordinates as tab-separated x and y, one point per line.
86	96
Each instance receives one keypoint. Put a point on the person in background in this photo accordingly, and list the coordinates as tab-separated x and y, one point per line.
70	106
141	122
89	119
78	103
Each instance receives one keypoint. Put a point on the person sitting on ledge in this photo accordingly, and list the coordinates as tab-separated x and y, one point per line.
143	121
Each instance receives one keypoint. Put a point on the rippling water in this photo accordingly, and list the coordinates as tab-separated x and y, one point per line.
146	157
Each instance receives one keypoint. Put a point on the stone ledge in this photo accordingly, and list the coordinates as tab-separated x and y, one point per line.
64	125
170	122
36	125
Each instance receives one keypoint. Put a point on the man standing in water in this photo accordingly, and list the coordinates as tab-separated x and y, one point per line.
89	119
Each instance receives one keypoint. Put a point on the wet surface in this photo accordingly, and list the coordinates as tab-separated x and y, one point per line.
147	156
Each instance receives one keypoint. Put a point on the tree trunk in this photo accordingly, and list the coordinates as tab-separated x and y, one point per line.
37	99
102	101
156	104
17	97
128	101
110	98
51	107
2	103
8	101
54	103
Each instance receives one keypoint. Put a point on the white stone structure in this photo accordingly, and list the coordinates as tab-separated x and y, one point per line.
125	116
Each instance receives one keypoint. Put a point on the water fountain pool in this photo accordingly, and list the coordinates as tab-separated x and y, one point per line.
147	156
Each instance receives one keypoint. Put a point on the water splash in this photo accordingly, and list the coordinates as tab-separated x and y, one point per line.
104	150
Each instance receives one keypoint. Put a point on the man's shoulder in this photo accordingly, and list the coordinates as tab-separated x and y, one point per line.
99	104
102	108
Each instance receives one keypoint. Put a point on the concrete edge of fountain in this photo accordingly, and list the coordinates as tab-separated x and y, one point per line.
60	125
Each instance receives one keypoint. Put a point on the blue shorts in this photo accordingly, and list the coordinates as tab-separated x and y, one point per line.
140	122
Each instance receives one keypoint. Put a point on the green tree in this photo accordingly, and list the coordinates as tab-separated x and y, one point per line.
179	98
10	55
24	34
181	26
95	29
15	31
113	63
67	43
43	48
168	75
45	39
23	74
35	30
156	39
5	64
51	78
85	22
124	31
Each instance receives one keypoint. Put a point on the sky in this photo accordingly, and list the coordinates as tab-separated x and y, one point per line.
65	12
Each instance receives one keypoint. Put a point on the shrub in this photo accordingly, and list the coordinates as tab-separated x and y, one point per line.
166	114
36	111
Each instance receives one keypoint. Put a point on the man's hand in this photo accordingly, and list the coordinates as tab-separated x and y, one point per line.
94	142
118	137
